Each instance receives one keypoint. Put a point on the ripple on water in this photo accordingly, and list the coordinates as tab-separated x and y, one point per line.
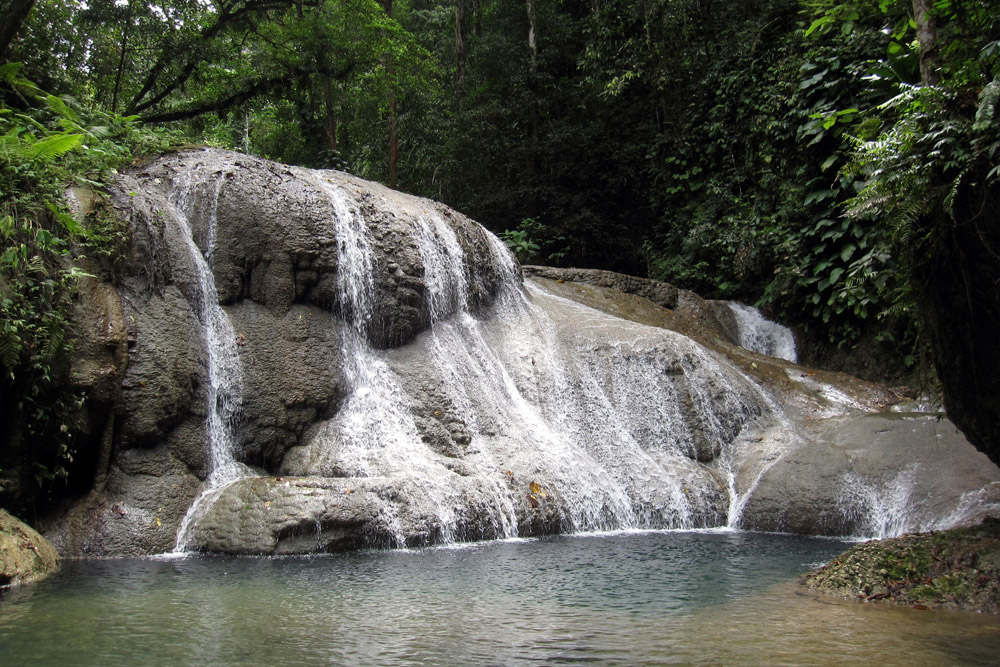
649	598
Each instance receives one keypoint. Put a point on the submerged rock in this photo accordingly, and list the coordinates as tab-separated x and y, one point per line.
25	556
952	569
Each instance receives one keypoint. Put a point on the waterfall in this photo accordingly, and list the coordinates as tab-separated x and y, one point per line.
224	373
375	434
758	334
570	429
879	510
396	381
514	410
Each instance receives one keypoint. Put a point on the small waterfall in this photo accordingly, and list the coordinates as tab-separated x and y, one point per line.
223	391
879	510
761	335
375	434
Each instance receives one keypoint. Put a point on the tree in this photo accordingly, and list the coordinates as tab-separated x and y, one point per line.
14	13
930	160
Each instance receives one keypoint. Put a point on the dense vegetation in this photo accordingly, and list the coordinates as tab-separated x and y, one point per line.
835	162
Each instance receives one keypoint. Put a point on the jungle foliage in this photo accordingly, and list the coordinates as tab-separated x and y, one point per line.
46	144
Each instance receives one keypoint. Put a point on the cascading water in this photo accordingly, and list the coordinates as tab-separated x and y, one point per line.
602	434
375	436
224	373
758	334
513	409
880	510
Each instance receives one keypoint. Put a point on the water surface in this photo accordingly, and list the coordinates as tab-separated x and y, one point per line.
648	598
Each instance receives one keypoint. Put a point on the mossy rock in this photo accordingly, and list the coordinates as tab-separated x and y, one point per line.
25	556
956	569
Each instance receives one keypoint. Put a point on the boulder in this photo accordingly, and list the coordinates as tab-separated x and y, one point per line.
25	556
875	474
315	362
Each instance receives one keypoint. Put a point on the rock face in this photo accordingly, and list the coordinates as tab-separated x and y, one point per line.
313	362
25	556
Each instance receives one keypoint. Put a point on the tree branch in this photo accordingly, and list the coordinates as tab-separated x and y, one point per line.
252	90
227	17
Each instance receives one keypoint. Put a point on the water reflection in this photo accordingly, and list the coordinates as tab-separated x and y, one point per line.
657	598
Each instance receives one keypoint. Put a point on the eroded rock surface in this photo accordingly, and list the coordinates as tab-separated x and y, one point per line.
379	375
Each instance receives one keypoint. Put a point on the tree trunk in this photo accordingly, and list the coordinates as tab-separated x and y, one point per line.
930	62
533	161
393	139
121	64
961	309
460	52
331	114
14	15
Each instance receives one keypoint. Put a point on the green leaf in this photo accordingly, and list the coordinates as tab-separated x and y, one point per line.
68	222
58	105
819	23
54	146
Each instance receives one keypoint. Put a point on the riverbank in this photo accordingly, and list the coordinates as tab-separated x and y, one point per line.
952	569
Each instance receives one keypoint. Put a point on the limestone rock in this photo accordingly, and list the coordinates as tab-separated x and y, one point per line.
390	379
874	474
25	556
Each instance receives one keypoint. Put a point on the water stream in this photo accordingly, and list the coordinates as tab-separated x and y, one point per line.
198	194
531	414
759	334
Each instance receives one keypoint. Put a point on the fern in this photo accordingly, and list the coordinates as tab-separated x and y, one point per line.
54	146
58	105
10	346
988	99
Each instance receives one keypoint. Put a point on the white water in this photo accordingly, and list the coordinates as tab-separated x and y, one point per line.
223	392
758	334
881	509
537	410
593	430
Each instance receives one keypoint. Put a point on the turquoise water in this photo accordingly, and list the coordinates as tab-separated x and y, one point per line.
647	598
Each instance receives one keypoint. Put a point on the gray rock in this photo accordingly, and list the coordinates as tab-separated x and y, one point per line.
875	475
576	400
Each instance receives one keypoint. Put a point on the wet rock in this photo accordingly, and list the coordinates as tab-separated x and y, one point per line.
661	293
953	569
874	475
25	556
451	400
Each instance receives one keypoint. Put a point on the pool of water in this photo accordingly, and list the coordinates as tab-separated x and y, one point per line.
646	598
